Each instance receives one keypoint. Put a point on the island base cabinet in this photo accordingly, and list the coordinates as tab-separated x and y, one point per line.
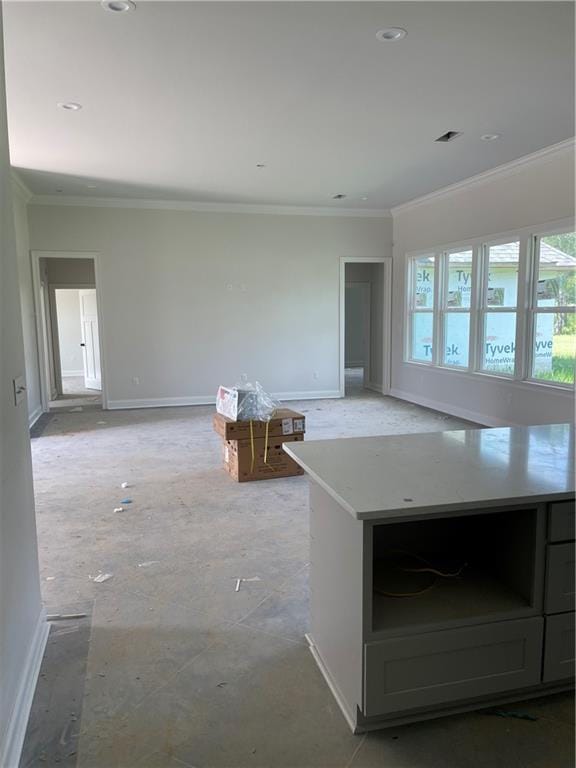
559	648
435	668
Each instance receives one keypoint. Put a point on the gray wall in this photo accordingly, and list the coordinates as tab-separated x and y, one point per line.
357	276
536	193
27	302
193	300
357	326
69	271
20	606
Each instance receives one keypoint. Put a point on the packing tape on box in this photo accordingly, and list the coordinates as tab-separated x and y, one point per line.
252	450
266	444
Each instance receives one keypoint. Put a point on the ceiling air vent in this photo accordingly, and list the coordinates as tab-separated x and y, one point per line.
449	136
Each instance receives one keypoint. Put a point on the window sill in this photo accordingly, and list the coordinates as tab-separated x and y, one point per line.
526	384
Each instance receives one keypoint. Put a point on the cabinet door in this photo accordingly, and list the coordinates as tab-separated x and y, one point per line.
559	647
559	578
439	667
561	517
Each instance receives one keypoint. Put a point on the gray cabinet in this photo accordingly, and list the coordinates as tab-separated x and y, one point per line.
560	575
561	521
442	570
439	667
559	647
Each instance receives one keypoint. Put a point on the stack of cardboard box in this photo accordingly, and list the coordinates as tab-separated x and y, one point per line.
253	450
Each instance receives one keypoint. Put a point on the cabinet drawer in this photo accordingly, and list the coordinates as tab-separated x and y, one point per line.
561	521
438	667
559	640
559	578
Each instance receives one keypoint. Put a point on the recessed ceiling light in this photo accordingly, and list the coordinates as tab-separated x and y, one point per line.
118	6
490	136
70	106
340	196
364	197
390	34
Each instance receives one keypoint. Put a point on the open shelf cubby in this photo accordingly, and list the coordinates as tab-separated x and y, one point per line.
493	553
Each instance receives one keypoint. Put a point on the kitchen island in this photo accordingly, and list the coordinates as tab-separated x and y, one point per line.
442	569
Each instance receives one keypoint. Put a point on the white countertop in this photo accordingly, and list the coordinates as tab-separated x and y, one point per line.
393	476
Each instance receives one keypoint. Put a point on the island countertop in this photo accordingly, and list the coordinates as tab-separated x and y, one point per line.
395	476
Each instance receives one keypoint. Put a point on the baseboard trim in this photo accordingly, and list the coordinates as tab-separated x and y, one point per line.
13	739
171	402
376	388
70	374
34	416
328	394
451	410
348	716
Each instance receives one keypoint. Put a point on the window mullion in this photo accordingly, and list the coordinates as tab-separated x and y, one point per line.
474	304
522	301
481	314
437	308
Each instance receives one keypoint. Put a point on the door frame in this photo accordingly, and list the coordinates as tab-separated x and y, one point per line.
54	324
35	257
386	261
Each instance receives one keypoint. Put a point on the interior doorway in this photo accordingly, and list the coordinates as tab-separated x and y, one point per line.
68	327
364	325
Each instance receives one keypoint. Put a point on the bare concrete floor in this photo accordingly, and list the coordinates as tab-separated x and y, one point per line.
75	394
172	667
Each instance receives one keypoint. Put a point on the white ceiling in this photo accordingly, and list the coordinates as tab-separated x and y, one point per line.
182	99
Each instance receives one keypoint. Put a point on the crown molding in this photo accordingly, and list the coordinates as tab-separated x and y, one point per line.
481	178
185	205
19	188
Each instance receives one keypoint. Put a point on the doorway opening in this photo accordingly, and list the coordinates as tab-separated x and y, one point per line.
68	330
364	326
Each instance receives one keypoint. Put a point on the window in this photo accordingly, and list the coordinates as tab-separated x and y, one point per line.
422	299
456	306
498	316
504	308
553	313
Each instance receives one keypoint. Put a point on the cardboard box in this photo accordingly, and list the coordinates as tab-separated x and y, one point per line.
285	422
238	459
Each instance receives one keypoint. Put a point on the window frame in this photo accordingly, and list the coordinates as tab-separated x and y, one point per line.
533	310
444	310
484	310
413	310
526	312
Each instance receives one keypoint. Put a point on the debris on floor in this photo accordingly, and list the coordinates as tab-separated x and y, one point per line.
239	582
65	616
124	485
101	577
126	501
510	713
75	410
118	509
148	563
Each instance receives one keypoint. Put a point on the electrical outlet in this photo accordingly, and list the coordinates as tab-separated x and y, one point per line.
135	381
